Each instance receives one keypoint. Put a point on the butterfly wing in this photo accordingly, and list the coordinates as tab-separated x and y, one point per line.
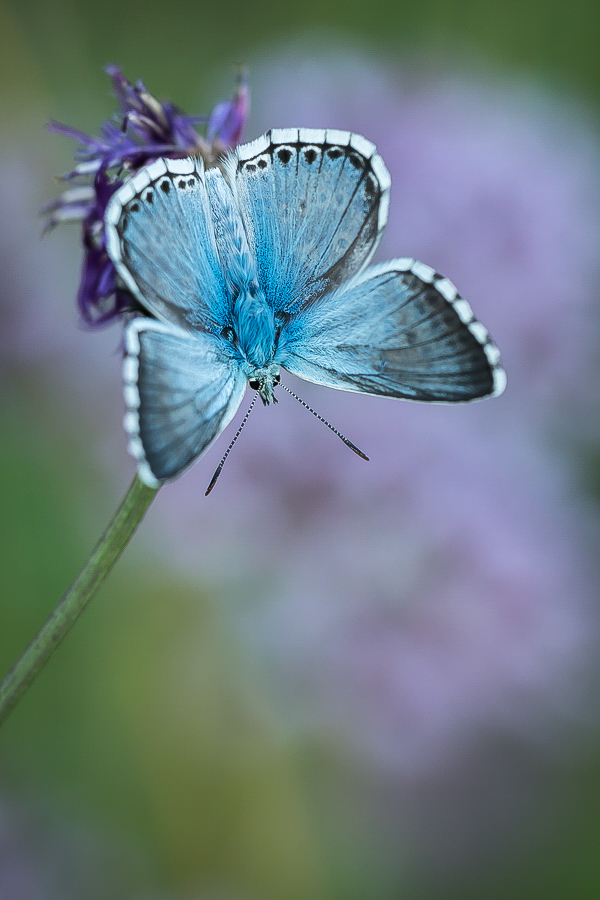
181	391
314	204
397	330
171	232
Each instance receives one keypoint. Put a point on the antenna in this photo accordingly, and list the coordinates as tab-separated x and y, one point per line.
219	468
324	421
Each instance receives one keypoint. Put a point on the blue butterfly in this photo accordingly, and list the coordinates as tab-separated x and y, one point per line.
262	264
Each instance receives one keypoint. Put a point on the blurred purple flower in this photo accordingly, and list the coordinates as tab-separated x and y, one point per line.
144	129
44	856
442	591
228	119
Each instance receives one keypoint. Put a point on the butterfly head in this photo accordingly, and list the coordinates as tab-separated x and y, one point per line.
265	382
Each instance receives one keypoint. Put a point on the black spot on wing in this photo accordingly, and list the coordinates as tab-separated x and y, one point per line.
370	187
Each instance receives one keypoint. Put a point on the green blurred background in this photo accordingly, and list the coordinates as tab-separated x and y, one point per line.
173	776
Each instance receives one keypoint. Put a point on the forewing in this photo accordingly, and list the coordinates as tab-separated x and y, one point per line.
161	238
181	391
314	204
397	330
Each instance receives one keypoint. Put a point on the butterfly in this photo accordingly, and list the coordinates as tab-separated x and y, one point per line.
262	264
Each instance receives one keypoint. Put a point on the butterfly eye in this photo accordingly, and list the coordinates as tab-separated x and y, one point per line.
276	379
254	383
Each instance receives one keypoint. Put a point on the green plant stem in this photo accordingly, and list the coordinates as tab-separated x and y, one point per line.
104	555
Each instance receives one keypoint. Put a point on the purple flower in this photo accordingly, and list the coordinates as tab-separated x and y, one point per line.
228	119
417	604
143	130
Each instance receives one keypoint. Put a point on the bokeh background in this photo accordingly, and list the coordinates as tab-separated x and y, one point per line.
329	680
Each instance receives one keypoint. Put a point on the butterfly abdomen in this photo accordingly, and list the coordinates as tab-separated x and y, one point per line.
254	328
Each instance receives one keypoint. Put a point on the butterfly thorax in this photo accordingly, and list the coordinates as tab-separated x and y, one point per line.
255	337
